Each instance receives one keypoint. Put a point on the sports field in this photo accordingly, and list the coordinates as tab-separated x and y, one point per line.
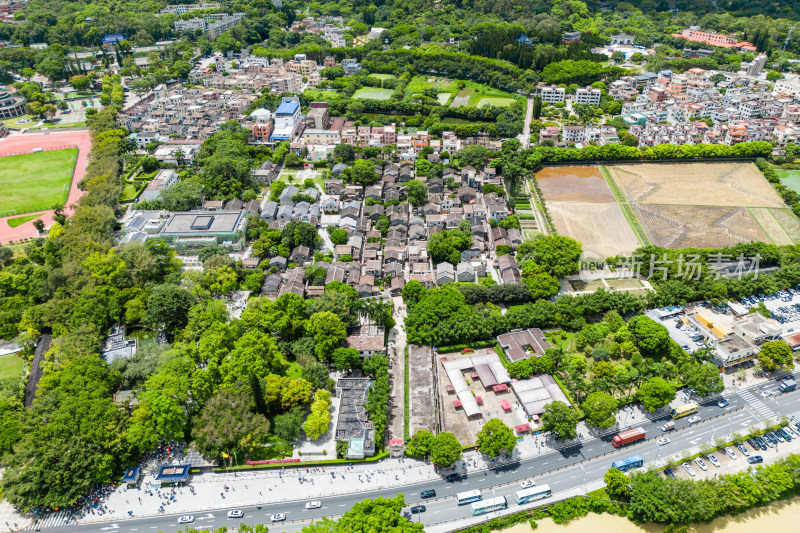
35	181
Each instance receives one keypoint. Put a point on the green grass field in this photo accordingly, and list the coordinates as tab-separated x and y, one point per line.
14	222
383	76
35	182
373	93
495	101
790	178
10	366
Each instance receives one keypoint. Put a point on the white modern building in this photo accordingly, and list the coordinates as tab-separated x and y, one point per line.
287	120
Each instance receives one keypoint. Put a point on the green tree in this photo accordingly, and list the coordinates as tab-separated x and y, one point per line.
227	423
445	450
617	483
473	155
363	172
555	254
345	152
413	292
346	358
599	408
561	420
168	307
381	515
339	236
656	392
495	437
648	335
287	425
420	444
319	420
328	331
417	192
774	355
704	378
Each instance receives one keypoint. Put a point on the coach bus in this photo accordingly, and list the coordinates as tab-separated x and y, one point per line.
685	410
469	497
487	506
634	461
533	493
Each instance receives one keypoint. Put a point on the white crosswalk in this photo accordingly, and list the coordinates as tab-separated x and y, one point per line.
59	518
757	405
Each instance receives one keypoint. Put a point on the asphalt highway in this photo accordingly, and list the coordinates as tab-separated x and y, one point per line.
564	469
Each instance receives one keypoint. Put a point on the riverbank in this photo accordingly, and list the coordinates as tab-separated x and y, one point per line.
779	516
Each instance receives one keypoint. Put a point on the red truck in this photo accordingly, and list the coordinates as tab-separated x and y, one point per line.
627	437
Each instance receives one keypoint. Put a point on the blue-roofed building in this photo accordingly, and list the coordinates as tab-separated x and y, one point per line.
113	38
169	474
132	477
523	39
287	120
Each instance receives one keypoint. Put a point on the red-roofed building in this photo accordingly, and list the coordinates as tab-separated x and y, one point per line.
505	405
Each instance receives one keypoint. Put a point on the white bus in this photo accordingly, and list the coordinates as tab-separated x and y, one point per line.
469	497
533	493
487	506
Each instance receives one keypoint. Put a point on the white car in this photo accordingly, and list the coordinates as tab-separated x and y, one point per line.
316	504
689	469
730	452
280	517
235	513
699	462
527	483
662	441
744	450
714	461
186	519
693	419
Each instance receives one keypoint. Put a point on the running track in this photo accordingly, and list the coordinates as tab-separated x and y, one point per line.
25	143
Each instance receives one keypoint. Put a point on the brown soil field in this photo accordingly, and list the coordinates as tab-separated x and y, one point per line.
600	227
771	225
789	223
701	184
680	226
574	184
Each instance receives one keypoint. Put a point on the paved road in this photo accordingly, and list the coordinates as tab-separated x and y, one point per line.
565	469
526	131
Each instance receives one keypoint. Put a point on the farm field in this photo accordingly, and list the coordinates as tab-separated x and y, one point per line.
373	93
383	76
35	181
790	178
704	204
583	207
717	184
693	226
771	226
461	98
495	101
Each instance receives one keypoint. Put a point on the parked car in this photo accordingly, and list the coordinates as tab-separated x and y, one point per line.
186	519
662	441
743	449
786	434
280	517
689	469
418	509
235	513
527	483
756	459
778	435
669	472
730	452
316	504
714	460
699	462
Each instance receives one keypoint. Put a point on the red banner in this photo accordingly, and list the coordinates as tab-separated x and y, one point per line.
273	461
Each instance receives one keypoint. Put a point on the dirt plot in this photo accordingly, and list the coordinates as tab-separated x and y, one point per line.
771	225
600	227
574	184
682	226
789	222
712	184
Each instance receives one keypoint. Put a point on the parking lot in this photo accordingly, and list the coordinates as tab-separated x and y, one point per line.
729	464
